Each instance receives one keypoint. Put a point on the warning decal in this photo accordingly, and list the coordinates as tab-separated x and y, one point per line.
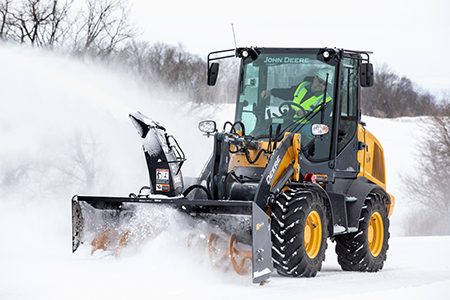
162	175
176	178
162	187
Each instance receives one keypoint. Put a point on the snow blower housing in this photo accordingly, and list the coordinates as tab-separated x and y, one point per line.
296	167
100	220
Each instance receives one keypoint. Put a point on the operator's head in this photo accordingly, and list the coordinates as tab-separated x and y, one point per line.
318	84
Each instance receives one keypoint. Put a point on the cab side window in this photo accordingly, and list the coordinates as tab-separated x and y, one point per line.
348	120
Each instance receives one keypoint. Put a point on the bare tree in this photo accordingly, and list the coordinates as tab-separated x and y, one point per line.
99	28
82	161
6	21
172	67
59	26
103	26
429	189
394	96
39	22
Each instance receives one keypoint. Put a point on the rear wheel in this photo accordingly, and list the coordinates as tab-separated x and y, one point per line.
299	233
365	250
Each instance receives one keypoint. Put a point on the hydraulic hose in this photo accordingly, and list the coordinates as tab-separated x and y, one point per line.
198	186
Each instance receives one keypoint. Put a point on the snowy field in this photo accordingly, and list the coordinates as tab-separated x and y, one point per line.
49	104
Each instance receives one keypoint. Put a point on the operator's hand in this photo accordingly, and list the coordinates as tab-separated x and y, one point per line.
265	94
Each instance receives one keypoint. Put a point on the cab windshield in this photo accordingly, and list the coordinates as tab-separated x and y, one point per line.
288	91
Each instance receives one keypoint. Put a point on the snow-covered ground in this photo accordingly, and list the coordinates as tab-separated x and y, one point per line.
50	103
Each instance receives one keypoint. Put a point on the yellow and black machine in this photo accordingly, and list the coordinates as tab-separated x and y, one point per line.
296	167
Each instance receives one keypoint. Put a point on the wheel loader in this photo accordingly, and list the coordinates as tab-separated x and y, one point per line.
295	168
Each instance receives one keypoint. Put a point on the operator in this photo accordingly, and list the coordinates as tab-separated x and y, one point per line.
307	94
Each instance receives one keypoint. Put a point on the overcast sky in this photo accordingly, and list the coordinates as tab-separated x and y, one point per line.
412	37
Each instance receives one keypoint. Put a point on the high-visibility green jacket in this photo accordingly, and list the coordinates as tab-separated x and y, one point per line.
310	102
301	95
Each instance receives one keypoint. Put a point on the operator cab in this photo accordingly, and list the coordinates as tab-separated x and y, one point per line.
301	91
281	72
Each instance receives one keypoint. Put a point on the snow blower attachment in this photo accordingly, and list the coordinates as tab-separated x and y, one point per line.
164	160
105	222
297	152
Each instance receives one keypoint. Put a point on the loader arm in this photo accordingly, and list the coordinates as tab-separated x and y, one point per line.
282	167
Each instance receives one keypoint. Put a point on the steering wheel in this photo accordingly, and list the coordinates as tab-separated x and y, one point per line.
290	112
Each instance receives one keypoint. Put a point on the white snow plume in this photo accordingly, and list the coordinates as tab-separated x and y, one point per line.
64	130
171	244
62	122
58	116
150	226
138	224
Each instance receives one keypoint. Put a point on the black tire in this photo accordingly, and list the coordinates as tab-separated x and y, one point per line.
365	250
299	233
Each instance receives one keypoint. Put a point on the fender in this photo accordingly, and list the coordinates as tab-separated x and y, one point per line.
323	194
360	189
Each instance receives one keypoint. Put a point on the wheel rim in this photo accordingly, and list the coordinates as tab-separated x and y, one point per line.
313	234
375	234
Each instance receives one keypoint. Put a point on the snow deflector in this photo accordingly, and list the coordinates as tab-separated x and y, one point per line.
86	211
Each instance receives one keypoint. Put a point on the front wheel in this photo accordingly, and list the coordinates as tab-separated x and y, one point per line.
299	233
365	250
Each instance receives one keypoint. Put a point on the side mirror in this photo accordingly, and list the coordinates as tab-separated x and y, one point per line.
213	72
366	74
319	129
207	127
